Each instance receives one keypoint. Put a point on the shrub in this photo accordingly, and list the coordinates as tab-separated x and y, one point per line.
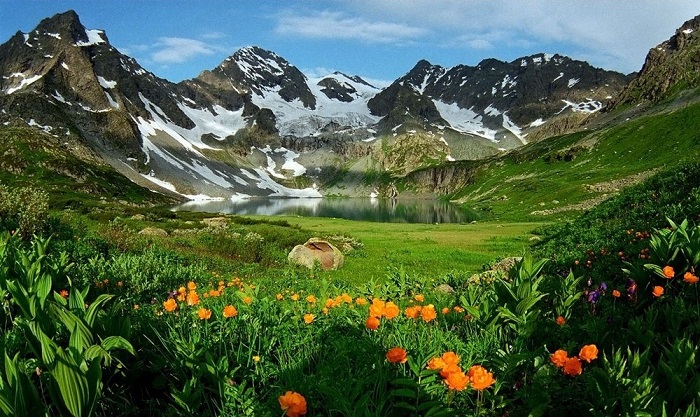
24	210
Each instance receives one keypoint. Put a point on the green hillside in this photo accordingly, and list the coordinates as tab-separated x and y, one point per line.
567	174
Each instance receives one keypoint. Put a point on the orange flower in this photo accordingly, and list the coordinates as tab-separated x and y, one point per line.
436	363
559	358
480	377
360	301
561	320
690	278
325	310
458	309
295	297
449	368
214	293
669	272
391	310
279	297
412	312
450	358
397	355
63	293
572	366
457	381
247	300
170	305
588	353
192	298
191	286
311	299
372	323
346	298
445	310
616	293
230	311
204	313
293	404
428	313
419	298
658	291
309	318
377	308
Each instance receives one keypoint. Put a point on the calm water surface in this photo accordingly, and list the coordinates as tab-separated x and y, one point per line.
376	210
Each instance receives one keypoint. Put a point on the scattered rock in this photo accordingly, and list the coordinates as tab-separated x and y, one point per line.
215	222
498	270
153	231
317	251
444	289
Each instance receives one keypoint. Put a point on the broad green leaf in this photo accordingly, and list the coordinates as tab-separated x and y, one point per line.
72	384
95	307
48	346
43	288
117	342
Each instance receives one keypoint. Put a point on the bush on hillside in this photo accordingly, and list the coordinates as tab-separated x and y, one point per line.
24	210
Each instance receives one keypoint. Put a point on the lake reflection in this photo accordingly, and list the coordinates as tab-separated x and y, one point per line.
375	210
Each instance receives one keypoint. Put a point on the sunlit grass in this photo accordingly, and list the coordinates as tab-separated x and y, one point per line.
422	249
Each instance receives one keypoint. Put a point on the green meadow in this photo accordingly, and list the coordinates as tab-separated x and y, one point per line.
113	305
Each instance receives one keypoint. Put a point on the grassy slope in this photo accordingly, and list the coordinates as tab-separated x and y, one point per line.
556	172
69	172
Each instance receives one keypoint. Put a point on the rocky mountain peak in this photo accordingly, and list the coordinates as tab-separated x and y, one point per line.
264	72
670	63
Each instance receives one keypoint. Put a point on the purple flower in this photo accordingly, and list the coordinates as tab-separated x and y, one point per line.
593	296
603	286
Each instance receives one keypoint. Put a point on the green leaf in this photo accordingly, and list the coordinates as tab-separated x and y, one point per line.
72	384
95	307
73	324
403	392
117	342
48	346
43	288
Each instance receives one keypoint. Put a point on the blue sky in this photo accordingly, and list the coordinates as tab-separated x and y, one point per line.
379	40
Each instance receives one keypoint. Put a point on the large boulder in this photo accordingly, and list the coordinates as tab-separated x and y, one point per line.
317	251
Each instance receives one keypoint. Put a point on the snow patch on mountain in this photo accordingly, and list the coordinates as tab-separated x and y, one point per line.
94	37
23	83
588	106
536	123
464	120
264	182
293	118
105	83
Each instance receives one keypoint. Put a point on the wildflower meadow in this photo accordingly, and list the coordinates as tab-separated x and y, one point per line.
93	326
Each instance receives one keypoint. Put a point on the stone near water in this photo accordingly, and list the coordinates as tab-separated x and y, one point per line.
317	251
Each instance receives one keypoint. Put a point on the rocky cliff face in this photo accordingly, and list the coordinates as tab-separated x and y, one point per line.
673	63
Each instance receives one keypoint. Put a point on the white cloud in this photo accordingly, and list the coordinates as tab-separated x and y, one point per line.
337	25
173	50
619	32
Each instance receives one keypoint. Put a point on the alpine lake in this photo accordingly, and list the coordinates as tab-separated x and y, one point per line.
363	209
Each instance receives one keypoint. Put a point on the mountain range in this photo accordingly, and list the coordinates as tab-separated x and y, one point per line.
257	126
